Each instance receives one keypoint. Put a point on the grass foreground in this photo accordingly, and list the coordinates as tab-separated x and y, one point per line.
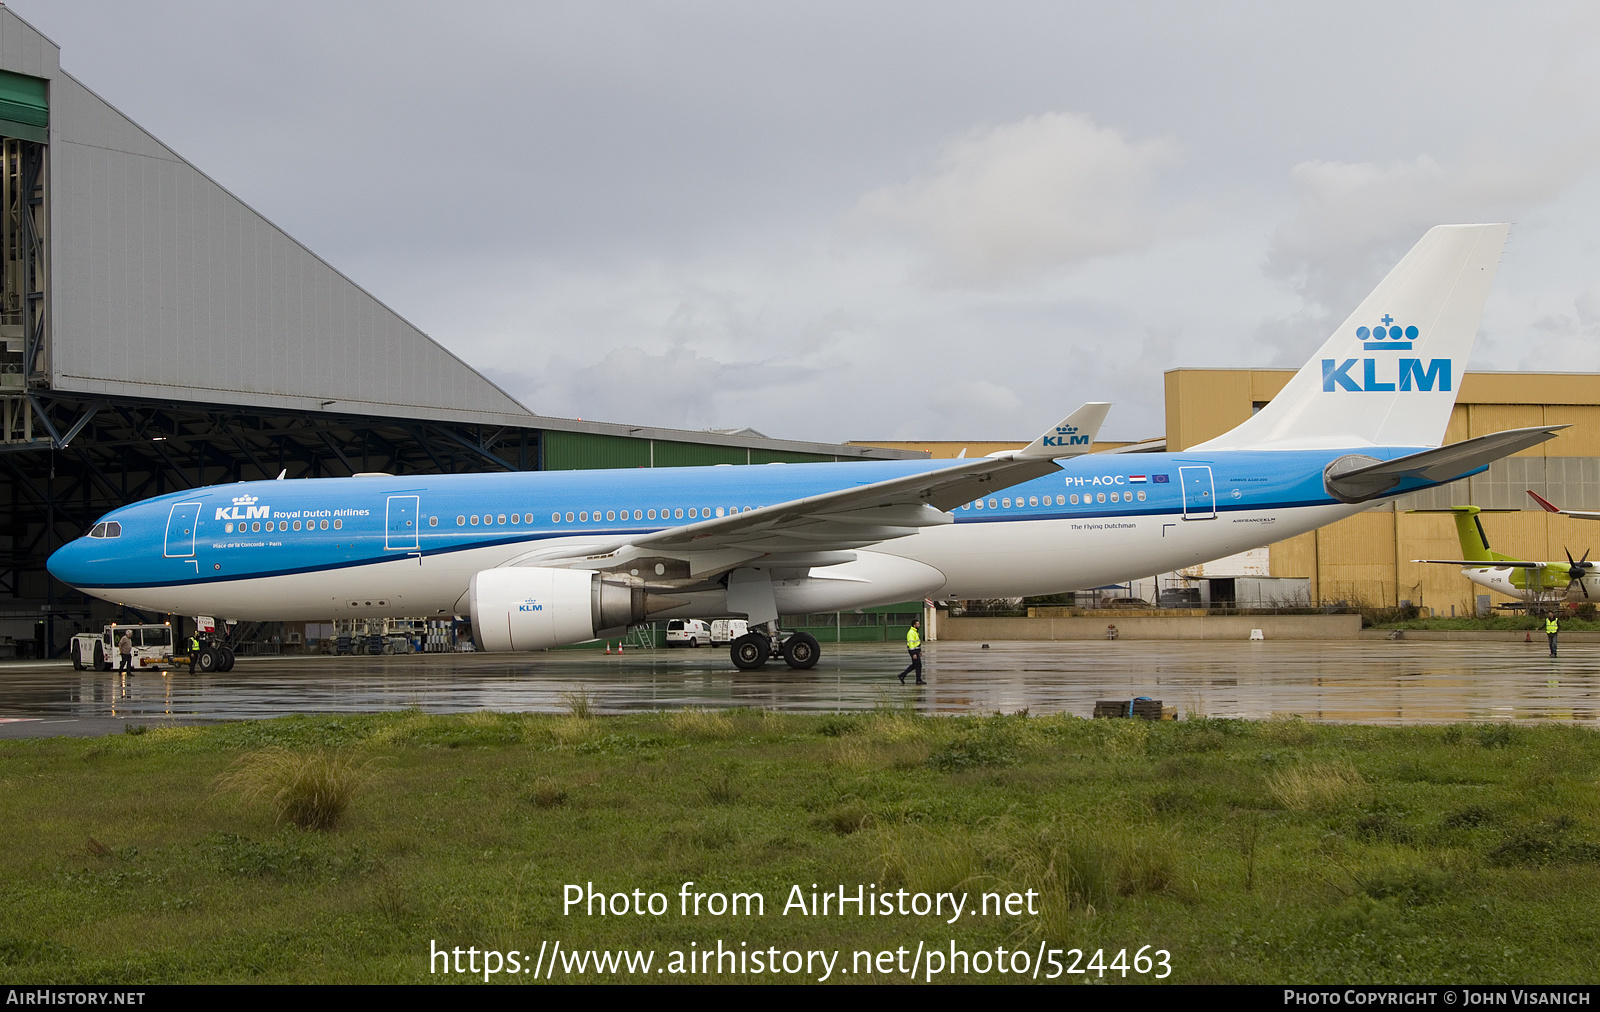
1254	852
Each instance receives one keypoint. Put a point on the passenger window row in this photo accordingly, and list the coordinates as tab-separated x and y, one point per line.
595	516
255	526
1061	500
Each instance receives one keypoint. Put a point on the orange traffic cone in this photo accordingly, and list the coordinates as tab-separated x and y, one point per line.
608	646
619	646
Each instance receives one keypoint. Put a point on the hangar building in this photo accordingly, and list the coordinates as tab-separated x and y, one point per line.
156	333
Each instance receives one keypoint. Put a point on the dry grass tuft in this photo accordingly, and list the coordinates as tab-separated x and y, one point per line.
310	789
579	703
1316	786
548	794
895	728
1288	730
850	751
572	730
697	723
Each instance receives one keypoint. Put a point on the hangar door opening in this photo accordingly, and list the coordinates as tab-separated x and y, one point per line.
24	221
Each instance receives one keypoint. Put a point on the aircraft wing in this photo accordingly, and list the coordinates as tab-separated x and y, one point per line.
1550	507
820	530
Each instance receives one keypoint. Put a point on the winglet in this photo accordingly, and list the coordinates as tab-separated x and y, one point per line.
1546	504
1073	436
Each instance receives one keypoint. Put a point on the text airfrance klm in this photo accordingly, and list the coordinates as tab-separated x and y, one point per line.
1412	375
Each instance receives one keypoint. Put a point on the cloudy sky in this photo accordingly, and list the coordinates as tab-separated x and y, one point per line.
838	221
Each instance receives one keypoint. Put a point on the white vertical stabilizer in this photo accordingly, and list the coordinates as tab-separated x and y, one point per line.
1389	374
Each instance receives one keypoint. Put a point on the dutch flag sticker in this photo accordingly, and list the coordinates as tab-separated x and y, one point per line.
1137	479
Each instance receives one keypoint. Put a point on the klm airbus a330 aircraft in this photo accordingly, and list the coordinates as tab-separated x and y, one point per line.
540	559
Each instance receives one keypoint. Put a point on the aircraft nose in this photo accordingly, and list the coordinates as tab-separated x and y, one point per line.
71	564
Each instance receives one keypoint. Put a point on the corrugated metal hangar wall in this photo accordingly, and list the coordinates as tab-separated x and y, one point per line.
156	333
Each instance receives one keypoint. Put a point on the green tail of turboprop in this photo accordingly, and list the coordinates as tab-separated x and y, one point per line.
1474	542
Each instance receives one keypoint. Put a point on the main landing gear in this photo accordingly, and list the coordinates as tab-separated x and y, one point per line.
752	650
214	656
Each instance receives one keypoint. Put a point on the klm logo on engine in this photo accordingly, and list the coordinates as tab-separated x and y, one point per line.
244	508
530	604
1066	435
1408	374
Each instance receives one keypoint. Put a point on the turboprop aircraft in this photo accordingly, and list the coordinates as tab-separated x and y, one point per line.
1514	577
540	559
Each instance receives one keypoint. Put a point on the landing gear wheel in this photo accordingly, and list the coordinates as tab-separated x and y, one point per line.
750	652
227	659
77	656
210	660
100	662
801	651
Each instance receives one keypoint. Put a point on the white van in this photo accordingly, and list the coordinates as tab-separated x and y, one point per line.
687	632
726	630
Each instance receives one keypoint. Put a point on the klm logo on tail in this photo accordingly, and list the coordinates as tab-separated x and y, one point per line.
1066	435
1410	374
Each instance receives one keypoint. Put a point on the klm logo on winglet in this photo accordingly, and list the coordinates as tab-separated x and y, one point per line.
1410	375
1066	435
244	508
531	604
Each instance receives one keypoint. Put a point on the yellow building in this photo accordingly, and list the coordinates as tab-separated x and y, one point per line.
1367	558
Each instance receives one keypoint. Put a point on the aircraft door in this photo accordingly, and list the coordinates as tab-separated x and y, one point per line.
401	531
1199	493
181	523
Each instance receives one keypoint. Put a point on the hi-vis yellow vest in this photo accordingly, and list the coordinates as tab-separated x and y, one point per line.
1550	626
913	638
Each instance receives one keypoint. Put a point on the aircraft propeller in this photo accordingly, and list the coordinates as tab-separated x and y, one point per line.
1576	571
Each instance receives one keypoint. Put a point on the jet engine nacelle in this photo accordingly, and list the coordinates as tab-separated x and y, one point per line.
534	607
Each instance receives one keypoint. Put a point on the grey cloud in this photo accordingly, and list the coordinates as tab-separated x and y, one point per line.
1011	201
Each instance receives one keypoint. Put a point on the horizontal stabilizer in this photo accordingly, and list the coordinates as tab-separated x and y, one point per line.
1352	479
1484	563
1550	507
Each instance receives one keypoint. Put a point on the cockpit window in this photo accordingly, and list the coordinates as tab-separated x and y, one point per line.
99	531
106	529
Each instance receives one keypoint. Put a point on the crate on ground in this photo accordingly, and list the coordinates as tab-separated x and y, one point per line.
1149	709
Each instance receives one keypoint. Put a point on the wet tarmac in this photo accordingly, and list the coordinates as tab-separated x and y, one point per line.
1348	681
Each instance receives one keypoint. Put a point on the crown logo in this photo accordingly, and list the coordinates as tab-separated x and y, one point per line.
244	500
1066	430
1387	336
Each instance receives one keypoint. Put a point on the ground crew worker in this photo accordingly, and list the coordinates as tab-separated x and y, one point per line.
1551	628
914	648
125	648
194	650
